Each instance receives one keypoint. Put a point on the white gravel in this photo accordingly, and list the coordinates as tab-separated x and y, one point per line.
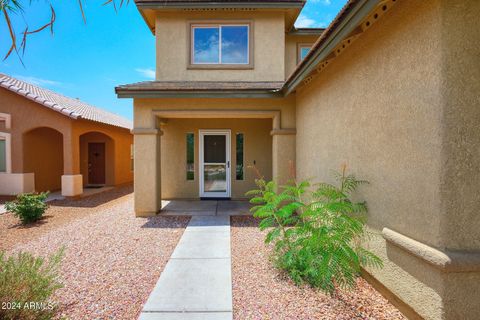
112	259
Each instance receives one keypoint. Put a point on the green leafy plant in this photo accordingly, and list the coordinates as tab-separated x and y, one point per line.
27	284
317	234
28	207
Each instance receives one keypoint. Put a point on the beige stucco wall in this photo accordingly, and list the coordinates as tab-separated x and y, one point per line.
172	46
291	50
143	117
401	108
257	147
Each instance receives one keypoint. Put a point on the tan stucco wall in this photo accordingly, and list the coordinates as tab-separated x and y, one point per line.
401	108
118	169
97	137
43	155
150	151
291	50
257	147
143	107
21	110
173	46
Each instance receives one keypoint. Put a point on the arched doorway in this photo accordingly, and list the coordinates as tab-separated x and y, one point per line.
97	159
43	155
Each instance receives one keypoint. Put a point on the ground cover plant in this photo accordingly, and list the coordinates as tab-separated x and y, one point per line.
317	230
28	207
27	284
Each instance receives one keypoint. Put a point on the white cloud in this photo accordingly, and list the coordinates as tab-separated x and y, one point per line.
304	22
324	2
39	81
147	73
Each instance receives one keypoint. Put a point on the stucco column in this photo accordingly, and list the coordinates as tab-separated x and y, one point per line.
72	180
283	154
147	181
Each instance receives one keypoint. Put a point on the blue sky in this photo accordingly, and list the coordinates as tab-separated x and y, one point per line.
86	61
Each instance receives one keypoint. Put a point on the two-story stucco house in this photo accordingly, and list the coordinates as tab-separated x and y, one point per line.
390	87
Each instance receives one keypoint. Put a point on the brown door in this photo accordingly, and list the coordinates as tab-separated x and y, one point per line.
96	163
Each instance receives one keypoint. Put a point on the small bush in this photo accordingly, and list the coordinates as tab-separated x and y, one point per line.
27	284
28	207
317	235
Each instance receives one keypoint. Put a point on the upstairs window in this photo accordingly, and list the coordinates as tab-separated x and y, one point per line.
221	45
303	50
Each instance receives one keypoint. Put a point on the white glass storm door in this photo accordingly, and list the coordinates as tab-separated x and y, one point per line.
214	163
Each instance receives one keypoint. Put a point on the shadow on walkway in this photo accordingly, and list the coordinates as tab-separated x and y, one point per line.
94	200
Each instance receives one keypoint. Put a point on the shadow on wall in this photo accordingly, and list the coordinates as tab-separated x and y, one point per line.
43	155
96	199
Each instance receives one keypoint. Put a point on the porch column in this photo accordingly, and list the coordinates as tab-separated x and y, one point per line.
72	180
283	154
147	180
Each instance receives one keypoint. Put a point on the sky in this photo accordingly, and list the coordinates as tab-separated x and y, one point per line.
87	60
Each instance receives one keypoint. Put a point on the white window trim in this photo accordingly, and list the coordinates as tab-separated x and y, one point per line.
299	50
227	133
7	118
8	151
219	26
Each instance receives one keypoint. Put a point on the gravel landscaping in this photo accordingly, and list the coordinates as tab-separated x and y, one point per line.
59	213
112	259
261	292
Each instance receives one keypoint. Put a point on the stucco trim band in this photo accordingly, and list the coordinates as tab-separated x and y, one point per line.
446	261
275	132
220	114
145	131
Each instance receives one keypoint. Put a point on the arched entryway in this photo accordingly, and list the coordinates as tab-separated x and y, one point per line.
97	159
43	155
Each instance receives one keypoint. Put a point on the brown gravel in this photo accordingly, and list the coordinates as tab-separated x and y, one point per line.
261	292
112	260
60	212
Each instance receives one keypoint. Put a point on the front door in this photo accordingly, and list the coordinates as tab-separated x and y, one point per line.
96	163
214	163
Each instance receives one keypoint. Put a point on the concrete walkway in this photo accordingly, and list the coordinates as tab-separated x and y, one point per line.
205	207
196	282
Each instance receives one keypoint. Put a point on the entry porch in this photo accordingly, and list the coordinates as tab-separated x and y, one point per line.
213	155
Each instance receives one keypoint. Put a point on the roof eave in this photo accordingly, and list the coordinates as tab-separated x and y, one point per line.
347	25
145	94
221	5
306	31
296	7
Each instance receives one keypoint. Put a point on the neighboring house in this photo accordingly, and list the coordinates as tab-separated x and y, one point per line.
50	142
390	87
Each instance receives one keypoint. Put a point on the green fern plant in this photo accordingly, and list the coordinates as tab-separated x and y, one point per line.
316	241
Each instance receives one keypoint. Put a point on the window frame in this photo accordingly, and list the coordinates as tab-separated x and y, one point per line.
243	156
219	24
300	46
8	152
186	156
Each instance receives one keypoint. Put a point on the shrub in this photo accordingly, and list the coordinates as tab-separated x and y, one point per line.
27	284
28	207
317	235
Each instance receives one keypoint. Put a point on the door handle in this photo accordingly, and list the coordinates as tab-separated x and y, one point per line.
228	164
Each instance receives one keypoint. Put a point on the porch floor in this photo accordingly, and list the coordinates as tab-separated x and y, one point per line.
205	208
